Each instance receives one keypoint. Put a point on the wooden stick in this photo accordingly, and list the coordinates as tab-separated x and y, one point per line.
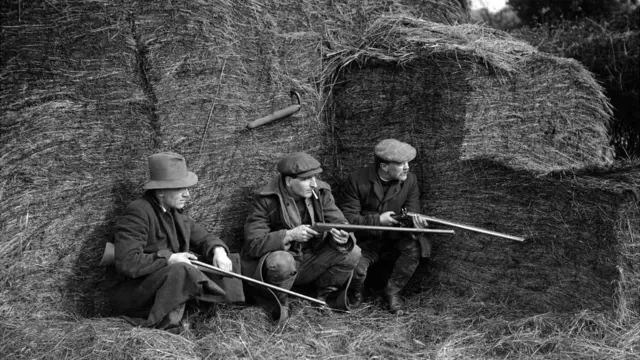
254	281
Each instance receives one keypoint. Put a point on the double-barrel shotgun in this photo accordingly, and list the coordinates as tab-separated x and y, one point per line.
405	216
324	227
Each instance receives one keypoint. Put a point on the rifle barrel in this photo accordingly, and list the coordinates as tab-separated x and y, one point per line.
251	280
466	227
351	227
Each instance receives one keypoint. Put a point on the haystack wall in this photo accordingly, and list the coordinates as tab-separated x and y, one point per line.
569	259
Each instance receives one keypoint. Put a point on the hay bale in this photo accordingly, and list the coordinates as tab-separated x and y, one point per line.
102	85
73	149
90	89
504	135
520	107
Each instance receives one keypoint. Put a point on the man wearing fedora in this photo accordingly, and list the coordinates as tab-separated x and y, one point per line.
281	247
154	241
371	195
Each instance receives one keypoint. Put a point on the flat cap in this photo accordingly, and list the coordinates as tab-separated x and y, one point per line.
299	164
394	151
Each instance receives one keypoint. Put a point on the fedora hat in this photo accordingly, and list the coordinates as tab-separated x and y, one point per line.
168	170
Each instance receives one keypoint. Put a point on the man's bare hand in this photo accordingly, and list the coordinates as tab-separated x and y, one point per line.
182	257
300	233
221	259
340	236
419	222
386	219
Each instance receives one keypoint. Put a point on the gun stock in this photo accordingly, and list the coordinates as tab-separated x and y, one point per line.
324	227
463	226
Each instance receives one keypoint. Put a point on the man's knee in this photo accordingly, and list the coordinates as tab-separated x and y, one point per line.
350	259
354	256
279	266
179	268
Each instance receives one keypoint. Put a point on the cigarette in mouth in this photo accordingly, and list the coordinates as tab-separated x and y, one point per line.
314	194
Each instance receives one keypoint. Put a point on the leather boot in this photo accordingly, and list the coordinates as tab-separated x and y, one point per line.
355	293
395	303
325	292
172	319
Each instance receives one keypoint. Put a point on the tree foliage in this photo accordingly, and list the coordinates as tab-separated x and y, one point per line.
533	12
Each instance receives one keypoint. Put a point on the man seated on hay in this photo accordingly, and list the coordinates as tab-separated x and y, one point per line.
282	249
371	196
154	242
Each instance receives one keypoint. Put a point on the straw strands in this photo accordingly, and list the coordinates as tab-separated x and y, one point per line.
92	88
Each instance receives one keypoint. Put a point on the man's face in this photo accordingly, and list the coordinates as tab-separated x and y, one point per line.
396	171
302	186
173	198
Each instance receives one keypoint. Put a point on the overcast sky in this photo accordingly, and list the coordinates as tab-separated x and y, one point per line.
492	5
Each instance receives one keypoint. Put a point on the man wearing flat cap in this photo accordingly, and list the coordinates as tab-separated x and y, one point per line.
154	241
282	249
371	196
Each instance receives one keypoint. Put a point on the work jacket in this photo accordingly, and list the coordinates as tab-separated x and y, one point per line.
273	212
362	200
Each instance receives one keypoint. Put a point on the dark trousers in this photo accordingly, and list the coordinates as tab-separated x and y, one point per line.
326	267
403	268
145	301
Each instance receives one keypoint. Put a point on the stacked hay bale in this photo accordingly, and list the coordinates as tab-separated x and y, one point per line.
508	139
90	89
74	138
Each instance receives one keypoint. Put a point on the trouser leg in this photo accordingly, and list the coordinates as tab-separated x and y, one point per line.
327	267
404	266
280	270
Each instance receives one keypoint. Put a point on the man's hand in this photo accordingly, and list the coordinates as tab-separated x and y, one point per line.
221	259
182	257
340	236
386	219
419	222
300	233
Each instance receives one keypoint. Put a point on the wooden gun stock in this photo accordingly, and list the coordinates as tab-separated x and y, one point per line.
324	227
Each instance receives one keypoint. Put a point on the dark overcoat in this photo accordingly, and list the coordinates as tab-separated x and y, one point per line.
362	200
145	237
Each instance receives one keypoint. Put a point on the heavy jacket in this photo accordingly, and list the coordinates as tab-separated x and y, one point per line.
273	212
362	201
145	237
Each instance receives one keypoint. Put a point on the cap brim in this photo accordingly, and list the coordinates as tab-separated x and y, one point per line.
189	181
309	173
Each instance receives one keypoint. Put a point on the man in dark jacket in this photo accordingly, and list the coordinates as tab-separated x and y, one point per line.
281	247
371	196
154	242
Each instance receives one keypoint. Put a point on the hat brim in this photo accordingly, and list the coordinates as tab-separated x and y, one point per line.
189	181
308	173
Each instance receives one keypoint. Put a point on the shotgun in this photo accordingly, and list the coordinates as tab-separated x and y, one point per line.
108	259
406	216
324	227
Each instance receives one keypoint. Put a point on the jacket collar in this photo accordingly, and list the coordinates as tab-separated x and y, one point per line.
275	187
374	178
174	243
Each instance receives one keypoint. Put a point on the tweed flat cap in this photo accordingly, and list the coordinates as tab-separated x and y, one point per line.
299	164
394	151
